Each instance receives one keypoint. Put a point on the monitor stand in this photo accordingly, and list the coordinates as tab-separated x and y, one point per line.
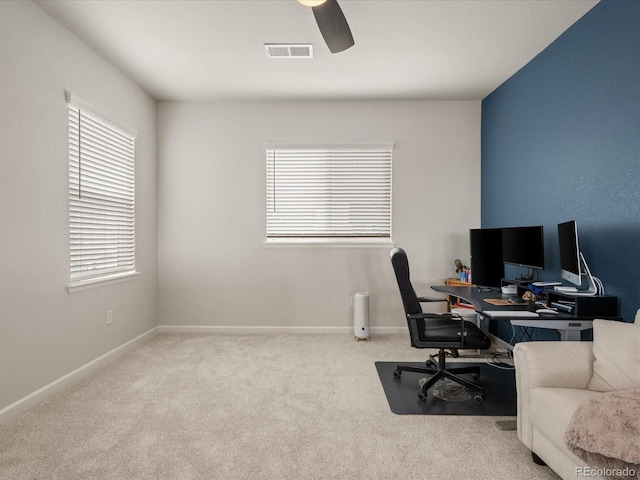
527	277
594	285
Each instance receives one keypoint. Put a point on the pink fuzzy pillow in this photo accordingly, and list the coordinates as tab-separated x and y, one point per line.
605	431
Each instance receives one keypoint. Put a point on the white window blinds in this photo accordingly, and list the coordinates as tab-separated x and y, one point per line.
101	197
331	192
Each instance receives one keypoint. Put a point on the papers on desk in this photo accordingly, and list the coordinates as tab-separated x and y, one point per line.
497	301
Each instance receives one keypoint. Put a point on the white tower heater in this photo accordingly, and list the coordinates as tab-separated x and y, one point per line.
361	316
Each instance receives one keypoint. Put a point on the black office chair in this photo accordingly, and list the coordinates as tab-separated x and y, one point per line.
441	331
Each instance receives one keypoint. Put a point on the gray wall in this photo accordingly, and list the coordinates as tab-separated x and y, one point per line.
45	332
206	264
214	269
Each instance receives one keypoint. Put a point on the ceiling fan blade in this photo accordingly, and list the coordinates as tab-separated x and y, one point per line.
333	26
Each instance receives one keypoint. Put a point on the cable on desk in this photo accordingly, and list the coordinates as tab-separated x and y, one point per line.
513	334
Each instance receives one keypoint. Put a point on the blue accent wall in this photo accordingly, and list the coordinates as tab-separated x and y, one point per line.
561	141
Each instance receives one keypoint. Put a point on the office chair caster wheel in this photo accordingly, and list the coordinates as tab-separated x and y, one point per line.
478	398
475	376
430	364
397	373
422	395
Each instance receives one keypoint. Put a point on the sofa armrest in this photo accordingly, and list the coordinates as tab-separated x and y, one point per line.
548	364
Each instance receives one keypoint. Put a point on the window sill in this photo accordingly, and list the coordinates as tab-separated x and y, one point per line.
329	242
82	285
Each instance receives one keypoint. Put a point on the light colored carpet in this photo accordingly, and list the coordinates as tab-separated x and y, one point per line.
245	407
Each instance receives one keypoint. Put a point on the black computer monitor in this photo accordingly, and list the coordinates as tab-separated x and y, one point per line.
569	252
487	267
524	247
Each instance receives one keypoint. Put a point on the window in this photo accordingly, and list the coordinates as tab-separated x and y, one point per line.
101	198
329	194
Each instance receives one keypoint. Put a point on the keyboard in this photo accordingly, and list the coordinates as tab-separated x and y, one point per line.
510	313
565	289
546	284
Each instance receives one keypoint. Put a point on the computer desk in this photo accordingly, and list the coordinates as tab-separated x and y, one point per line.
568	325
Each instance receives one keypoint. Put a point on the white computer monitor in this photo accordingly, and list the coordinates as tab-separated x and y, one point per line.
569	252
573	266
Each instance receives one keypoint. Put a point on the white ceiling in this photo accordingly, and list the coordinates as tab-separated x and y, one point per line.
404	49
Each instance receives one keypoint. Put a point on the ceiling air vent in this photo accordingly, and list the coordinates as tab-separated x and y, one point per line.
289	50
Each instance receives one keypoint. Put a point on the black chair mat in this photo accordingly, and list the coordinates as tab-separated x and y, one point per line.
402	393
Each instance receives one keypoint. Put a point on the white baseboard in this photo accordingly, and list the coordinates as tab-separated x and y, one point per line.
261	330
30	400
244	330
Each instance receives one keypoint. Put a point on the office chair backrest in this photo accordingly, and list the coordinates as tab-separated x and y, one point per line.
401	269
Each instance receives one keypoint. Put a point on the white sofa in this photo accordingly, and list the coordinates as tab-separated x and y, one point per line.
551	381
554	378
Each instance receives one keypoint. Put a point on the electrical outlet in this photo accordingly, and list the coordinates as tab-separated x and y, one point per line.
109	317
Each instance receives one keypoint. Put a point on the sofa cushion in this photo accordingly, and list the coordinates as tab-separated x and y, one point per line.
552	409
616	348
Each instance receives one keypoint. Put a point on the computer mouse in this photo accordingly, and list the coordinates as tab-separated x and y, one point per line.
546	310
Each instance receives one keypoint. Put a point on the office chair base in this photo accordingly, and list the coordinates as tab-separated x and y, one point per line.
478	396
450	374
439	371
406	368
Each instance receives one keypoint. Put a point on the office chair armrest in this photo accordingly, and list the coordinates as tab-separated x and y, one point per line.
462	335
418	328
428	299
414	323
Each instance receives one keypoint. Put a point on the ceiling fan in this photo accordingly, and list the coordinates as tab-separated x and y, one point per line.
333	26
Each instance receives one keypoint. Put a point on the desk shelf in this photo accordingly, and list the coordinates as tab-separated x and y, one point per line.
594	306
600	306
